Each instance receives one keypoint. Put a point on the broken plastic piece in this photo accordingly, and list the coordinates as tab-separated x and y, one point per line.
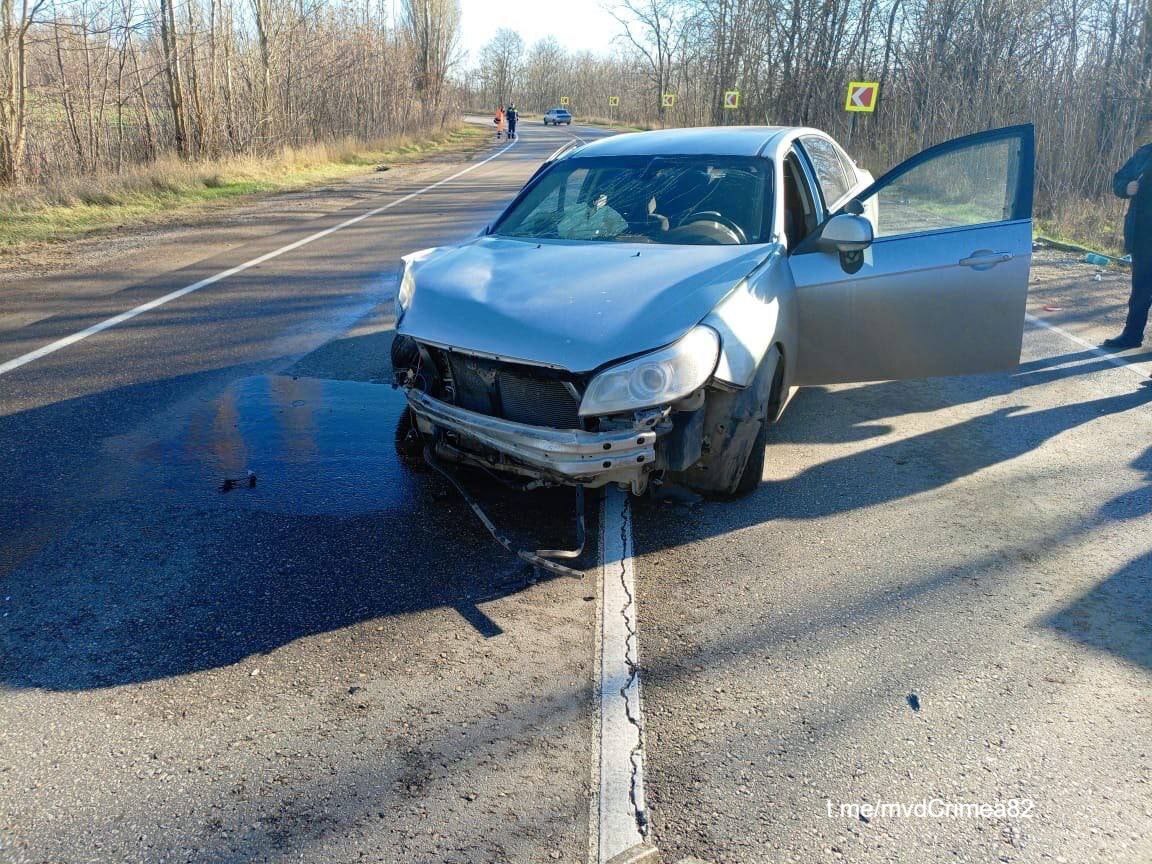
533	558
231	483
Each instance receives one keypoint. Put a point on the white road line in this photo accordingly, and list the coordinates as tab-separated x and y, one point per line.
620	814
108	323
1110	356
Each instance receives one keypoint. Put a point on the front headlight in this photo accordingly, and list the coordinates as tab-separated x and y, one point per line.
407	280
657	378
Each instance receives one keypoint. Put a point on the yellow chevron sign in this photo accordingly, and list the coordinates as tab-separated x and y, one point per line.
862	96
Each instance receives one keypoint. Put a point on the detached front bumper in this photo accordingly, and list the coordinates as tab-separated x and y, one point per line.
567	455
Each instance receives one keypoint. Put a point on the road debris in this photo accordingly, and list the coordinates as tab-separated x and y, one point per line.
230	483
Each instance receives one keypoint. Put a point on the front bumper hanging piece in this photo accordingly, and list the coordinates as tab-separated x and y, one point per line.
539	558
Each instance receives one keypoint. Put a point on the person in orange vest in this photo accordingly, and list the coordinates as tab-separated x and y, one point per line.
499	121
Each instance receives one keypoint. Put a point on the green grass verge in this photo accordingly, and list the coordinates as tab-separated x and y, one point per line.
1106	243
171	189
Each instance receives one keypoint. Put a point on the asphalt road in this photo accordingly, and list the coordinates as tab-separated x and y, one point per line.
941	590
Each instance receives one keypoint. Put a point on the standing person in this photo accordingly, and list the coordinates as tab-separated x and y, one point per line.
512	116
499	121
1134	182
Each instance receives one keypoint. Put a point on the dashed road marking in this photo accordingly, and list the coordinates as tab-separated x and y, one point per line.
108	323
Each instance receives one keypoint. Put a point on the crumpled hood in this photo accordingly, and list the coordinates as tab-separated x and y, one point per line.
573	305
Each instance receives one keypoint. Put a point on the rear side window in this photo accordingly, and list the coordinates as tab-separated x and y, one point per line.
829	169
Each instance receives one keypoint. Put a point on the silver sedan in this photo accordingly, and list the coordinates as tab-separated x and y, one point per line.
647	305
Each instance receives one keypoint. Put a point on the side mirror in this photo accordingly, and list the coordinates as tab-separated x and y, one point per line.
845	233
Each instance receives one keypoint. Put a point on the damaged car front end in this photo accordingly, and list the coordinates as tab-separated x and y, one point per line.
623	425
605	329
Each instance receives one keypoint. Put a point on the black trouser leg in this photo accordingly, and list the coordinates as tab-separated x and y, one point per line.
1140	300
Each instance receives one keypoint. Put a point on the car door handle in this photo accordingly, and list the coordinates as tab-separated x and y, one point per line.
984	260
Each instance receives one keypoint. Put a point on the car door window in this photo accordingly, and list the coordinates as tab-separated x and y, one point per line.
800	216
969	186
829	169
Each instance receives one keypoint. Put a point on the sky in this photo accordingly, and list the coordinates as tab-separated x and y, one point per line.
579	25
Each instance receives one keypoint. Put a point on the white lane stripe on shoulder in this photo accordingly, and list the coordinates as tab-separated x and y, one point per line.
1116	360
620	815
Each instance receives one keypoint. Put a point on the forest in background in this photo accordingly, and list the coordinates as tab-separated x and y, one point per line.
101	85
97	88
1080	70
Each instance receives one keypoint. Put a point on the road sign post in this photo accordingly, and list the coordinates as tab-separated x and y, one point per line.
862	96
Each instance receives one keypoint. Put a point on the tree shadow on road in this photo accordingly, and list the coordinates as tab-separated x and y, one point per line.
148	571
161	575
901	468
1116	615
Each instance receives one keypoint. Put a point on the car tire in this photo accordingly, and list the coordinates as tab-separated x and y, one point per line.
409	441
753	471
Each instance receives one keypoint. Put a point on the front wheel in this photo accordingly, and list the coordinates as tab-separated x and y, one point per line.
409	441
753	471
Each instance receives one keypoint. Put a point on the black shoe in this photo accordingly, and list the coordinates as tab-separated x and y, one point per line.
1121	343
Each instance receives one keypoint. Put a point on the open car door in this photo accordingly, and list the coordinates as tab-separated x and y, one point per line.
939	288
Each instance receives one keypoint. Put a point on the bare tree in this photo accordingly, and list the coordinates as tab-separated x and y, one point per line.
654	29
15	22
431	28
500	65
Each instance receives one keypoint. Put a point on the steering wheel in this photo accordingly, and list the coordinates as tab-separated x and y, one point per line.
723	221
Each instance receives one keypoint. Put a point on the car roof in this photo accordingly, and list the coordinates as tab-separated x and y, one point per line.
697	141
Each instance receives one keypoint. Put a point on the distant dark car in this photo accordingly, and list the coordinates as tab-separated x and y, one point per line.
556	116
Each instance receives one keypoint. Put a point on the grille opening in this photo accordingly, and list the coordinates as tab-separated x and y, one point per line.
523	394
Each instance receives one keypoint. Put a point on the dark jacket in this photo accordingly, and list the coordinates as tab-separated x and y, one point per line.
513	115
1138	221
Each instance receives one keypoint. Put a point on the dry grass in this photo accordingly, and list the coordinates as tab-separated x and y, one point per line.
1095	224
169	187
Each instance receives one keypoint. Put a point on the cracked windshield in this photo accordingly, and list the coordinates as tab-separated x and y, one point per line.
691	202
